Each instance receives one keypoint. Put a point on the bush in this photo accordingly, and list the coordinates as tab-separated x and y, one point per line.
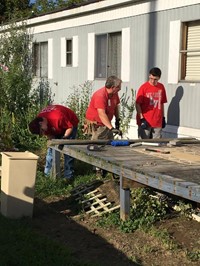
78	101
19	103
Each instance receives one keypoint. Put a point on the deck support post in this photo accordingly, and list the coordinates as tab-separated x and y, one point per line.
124	201
56	172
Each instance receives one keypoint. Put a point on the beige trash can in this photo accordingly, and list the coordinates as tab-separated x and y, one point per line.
18	175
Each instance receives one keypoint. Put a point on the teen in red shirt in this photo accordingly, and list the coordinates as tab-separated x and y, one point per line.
150	101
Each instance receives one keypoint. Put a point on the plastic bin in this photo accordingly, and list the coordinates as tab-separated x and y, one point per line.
18	175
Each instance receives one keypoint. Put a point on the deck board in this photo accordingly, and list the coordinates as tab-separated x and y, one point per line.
177	173
149	168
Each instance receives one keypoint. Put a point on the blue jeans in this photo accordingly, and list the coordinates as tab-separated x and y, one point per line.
68	160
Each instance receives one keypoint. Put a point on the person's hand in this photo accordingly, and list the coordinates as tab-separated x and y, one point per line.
117	123
163	122
65	137
116	131
144	123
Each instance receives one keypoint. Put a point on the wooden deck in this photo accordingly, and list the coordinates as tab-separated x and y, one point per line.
177	172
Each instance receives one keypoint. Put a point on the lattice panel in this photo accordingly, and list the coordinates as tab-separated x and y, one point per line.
94	202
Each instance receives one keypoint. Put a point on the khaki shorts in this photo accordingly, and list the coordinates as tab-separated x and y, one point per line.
102	132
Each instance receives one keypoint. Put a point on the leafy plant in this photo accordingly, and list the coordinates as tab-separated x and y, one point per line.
127	106
19	102
145	211
78	101
46	187
164	236
184	208
193	255
16	55
109	220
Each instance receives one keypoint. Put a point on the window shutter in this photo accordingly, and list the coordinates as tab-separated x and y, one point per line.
174	47
63	52
126	57
90	60
50	59
75	51
193	52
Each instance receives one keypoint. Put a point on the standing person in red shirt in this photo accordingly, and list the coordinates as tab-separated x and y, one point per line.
104	105
150	101
56	122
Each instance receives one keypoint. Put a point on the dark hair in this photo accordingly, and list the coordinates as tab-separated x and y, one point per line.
155	71
34	125
112	81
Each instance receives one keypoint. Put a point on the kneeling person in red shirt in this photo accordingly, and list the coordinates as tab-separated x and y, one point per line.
56	122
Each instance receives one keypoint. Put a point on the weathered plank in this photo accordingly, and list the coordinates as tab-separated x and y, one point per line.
105	142
160	171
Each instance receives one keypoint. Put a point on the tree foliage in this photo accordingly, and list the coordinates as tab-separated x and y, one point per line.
19	102
45	6
15	54
18	9
13	9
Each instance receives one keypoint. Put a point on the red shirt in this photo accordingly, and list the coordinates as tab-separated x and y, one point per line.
101	100
151	99
59	119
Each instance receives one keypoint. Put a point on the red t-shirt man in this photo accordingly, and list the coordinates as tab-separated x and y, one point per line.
54	121
59	119
101	100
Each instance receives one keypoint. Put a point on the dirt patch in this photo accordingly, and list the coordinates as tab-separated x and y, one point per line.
57	218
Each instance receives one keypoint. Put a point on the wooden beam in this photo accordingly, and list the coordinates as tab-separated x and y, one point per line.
128	183
106	142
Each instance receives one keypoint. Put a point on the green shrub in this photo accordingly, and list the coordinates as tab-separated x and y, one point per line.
145	211
19	103
78	101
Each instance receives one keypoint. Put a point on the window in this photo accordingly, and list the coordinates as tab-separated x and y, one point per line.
40	59
108	55
190	51
69	52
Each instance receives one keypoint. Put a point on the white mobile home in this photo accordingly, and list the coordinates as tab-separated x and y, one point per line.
126	38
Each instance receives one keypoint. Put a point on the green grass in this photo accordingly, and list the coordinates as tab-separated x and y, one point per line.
20	245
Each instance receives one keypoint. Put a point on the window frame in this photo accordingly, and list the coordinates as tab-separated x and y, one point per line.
38	64
186	53
69	52
107	56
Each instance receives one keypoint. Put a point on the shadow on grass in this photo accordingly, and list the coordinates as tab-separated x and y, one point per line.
56	221
54	237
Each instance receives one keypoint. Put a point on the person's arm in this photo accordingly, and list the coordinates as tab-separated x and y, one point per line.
68	132
117	111
139	110
163	110
104	118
